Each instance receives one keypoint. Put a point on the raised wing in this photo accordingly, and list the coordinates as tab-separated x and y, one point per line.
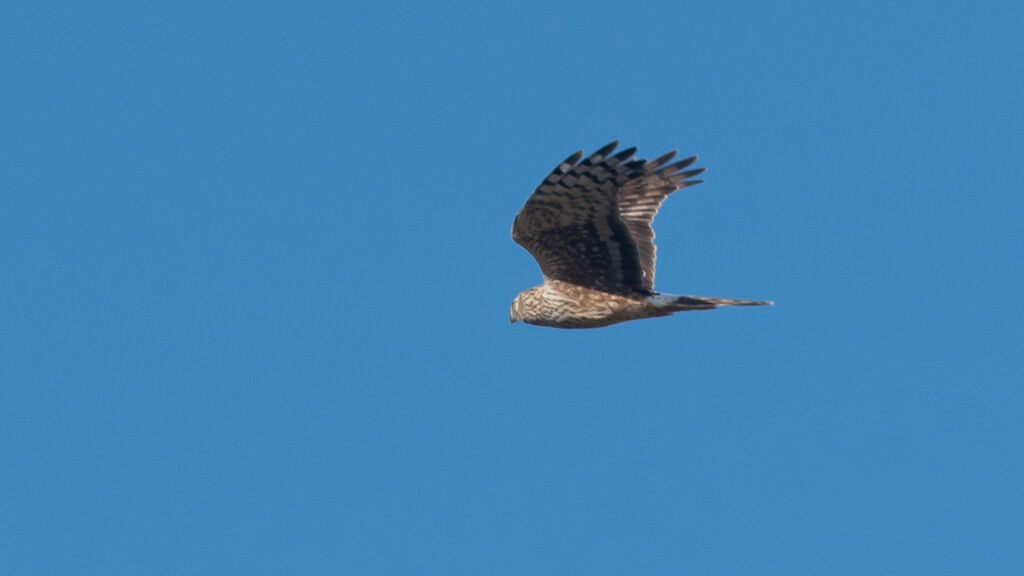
641	197
589	223
571	224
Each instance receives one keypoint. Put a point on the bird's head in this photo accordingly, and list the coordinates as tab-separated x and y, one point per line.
524	307
513	311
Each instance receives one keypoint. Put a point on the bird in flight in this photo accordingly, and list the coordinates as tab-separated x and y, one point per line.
588	225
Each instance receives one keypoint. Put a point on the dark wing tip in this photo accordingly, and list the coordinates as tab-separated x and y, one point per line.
573	158
606	149
625	154
684	163
563	167
662	160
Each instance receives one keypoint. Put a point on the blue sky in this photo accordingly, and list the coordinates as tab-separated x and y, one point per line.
257	270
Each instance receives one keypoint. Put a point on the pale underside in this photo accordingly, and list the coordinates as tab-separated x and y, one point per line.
588	225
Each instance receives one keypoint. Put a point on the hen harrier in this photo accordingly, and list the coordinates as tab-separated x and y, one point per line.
588	225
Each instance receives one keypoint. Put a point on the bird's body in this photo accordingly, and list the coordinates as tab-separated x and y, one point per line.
588	225
562	305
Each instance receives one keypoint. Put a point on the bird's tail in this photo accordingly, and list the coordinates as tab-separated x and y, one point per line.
680	303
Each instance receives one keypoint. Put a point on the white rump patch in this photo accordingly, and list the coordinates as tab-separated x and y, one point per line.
662	299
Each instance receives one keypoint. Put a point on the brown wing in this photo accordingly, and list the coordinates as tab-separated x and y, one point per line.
640	198
573	227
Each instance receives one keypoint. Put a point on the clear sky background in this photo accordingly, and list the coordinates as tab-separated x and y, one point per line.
256	271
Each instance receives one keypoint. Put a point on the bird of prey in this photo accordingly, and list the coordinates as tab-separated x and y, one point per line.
588	225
